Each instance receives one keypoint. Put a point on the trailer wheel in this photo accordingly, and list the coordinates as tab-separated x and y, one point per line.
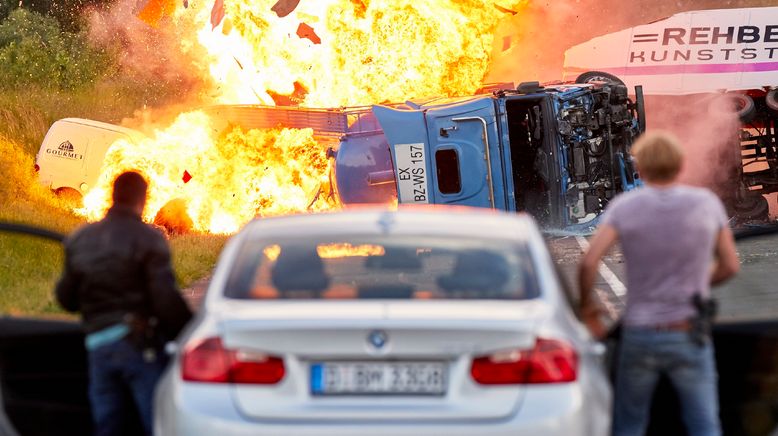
772	99
598	76
741	104
753	207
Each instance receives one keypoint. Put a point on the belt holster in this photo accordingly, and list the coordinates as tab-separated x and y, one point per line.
702	323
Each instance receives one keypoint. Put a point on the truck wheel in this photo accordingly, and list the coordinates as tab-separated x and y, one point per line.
598	76
772	99
741	104
752	208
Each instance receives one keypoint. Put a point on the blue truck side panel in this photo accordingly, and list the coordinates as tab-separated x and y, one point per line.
363	170
404	127
465	127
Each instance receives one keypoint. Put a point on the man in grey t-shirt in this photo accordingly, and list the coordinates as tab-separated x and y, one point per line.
676	243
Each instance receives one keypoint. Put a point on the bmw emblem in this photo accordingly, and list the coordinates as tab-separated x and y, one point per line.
377	339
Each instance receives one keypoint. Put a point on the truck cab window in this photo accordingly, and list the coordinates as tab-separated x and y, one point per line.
447	166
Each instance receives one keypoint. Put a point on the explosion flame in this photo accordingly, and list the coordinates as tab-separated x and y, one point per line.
322	53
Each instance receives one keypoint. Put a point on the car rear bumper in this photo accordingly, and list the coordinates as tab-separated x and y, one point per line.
208	409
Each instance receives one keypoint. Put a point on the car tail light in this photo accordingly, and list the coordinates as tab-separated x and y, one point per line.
208	361
550	361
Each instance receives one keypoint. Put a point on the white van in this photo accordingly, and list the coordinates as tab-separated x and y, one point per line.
72	153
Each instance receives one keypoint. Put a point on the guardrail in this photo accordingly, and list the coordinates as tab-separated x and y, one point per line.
334	122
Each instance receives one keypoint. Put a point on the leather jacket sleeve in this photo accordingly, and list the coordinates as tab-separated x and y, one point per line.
167	304
66	291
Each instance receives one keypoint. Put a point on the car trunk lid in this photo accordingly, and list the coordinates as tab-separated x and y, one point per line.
311	336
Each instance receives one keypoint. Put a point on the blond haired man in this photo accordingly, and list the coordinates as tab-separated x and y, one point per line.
676	243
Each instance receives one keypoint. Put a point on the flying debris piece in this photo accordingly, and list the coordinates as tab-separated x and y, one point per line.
187	177
305	31
226	26
186	4
294	99
217	13
505	10
283	8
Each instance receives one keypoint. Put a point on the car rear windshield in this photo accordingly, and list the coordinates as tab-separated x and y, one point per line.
383	268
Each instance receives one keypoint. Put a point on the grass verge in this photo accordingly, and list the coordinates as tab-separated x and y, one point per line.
29	266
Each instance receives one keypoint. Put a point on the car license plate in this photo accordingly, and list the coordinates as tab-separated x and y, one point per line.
411	173
378	378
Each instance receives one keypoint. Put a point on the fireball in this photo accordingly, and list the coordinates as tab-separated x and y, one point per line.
224	180
309	53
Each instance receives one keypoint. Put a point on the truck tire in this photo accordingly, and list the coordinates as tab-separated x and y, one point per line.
771	99
598	76
752	208
742	104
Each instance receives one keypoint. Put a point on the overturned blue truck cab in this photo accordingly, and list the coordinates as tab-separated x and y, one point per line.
559	153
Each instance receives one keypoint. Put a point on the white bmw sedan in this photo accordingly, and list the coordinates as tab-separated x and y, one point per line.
372	322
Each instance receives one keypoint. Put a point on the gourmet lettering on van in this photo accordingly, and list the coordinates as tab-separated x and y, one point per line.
65	150
706	44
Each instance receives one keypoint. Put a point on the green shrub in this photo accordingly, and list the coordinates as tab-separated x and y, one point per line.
35	51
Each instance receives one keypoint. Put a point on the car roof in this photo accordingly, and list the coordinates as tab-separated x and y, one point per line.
415	220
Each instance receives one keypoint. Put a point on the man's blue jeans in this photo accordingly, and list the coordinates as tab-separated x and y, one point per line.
116	370
644	355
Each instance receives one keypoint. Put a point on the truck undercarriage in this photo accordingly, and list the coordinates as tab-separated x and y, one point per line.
579	139
758	172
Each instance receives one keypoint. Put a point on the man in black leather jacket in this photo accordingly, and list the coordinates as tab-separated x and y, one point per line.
118	276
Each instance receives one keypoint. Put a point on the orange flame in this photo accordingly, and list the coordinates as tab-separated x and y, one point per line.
370	51
322	53
235	177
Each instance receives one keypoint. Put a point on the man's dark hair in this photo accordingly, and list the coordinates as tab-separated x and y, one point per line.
129	189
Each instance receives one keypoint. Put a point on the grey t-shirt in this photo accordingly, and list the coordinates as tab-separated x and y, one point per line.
668	237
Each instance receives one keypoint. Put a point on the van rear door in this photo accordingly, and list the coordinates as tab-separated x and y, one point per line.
447	153
62	156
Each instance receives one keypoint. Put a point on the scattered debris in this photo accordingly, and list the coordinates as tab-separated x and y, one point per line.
305	31
217	13
505	10
294	99
283	8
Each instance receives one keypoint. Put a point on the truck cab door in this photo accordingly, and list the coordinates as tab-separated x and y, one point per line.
446	154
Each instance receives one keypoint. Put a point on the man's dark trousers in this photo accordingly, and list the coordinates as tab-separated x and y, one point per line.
112	369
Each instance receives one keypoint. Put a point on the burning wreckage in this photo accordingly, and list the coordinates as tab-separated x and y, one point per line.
560	153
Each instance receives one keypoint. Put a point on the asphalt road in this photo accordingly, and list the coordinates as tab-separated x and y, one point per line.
751	296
